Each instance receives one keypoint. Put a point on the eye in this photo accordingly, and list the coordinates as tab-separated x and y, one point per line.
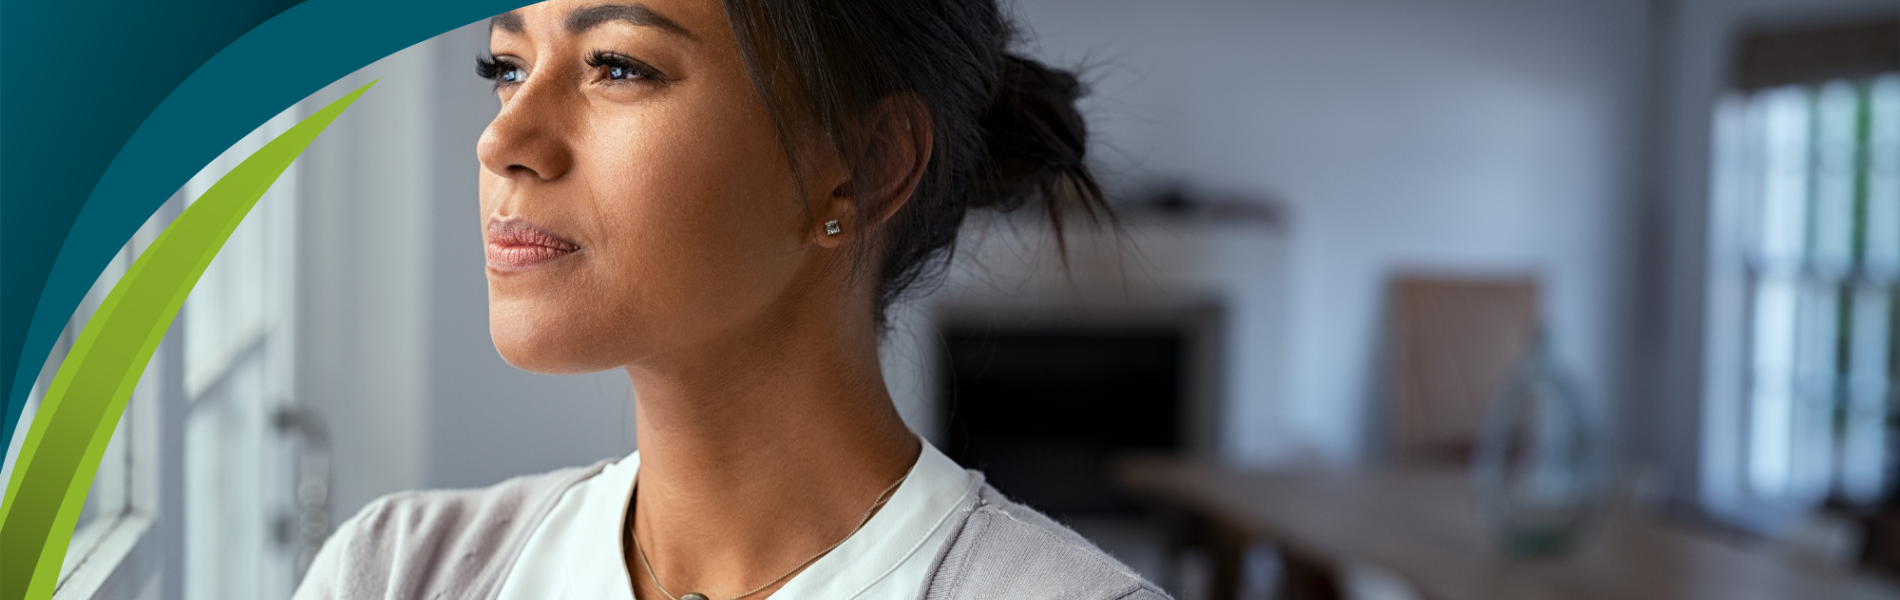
502	71
620	67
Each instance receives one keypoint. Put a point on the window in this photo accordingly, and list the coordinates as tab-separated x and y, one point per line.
237	371
1799	347
120	509
1814	169
204	464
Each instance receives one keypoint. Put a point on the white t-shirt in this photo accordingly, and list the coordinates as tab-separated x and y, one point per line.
576	551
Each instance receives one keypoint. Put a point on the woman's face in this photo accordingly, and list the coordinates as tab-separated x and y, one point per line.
635	197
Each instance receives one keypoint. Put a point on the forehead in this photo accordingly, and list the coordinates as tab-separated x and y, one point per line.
690	19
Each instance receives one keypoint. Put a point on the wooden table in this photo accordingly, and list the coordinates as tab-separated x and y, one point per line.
1424	525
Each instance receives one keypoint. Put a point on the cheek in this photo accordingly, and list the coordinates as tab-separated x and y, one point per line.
692	226
699	191
696	216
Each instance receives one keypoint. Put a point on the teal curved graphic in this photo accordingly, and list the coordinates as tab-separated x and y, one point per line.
83	405
61	127
53	152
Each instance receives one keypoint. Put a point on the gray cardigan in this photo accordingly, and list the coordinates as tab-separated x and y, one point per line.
461	544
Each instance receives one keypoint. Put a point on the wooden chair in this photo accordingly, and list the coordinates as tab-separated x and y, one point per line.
1454	343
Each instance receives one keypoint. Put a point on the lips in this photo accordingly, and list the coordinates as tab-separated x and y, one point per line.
515	245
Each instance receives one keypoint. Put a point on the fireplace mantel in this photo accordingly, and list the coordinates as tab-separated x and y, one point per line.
1224	277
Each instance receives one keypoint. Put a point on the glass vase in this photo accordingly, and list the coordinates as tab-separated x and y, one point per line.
1542	462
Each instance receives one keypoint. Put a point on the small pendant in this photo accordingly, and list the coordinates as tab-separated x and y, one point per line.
693	597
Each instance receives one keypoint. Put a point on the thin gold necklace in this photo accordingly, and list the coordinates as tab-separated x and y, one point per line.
882	498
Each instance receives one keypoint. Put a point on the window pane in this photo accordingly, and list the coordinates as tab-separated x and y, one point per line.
1864	435
1783	117
234	483
1772	407
238	538
1883	176
225	315
1835	152
1824	248
1817	385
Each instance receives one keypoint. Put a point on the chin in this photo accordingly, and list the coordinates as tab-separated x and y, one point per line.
547	340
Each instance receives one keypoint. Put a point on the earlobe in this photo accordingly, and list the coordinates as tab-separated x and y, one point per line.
837	211
884	172
831	232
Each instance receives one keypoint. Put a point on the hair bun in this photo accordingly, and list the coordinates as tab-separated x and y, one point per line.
1034	141
1005	132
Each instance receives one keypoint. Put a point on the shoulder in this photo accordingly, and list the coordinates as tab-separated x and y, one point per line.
1004	549
436	543
455	516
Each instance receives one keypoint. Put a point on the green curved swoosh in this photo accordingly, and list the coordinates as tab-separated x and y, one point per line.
82	406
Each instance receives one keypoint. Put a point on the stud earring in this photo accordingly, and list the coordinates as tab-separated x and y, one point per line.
832	228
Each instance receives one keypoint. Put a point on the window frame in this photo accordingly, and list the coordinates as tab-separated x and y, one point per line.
1740	263
134	542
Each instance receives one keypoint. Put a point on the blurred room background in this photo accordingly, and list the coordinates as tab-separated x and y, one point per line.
1345	224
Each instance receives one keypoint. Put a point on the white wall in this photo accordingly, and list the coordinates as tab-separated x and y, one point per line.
360	333
1467	136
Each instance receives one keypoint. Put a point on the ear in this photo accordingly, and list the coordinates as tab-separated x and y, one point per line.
885	167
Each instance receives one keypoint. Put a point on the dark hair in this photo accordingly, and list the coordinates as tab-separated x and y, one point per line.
1006	130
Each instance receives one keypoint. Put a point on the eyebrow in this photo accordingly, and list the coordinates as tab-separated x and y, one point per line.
509	21
633	14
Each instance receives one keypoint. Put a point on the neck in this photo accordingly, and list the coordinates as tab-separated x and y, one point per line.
760	453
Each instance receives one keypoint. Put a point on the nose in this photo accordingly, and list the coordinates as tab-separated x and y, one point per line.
527	141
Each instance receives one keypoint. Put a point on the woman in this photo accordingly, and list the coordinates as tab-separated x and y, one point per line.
722	200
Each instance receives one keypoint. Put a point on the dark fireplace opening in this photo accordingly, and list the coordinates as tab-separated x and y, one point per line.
1043	411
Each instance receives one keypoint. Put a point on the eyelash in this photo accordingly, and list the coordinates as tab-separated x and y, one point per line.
498	70
630	69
